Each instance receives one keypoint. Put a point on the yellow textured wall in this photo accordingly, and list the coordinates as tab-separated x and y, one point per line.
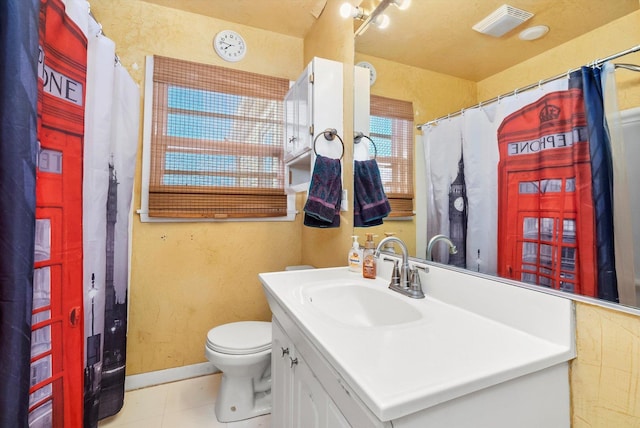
612	38
605	376
189	277
332	38
433	95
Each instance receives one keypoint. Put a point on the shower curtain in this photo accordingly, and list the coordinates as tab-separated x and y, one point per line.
18	147
479	131
622	210
58	239
473	134
111	142
100	59
602	181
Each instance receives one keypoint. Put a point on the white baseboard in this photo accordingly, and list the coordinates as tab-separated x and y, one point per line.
145	380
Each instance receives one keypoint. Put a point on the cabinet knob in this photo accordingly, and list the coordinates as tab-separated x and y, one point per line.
285	351
294	361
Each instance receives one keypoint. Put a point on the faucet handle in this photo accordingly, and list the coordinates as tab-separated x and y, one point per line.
415	286
395	275
425	269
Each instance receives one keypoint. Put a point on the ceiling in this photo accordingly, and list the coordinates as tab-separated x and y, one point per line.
432	34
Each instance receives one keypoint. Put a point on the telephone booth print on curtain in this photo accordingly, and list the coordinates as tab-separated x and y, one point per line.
56	389
545	209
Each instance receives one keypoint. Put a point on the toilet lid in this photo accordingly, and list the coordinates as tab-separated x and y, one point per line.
237	338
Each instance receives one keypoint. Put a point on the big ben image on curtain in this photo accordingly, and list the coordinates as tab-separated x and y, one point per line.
458	217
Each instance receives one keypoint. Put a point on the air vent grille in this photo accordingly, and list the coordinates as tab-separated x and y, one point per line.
502	20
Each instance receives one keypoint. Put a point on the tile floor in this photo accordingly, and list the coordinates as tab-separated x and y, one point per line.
188	403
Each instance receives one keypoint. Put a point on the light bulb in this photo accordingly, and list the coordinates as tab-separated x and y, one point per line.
346	10
402	4
381	21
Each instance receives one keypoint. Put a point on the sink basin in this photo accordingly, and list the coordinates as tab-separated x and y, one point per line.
360	306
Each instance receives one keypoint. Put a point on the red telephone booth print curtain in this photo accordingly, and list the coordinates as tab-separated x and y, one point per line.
57	319
545	209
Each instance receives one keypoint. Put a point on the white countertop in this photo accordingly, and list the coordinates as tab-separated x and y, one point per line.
400	369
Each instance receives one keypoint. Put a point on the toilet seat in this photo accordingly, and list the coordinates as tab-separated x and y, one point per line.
240	338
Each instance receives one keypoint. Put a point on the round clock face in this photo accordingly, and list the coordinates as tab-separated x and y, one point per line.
459	203
230	45
372	71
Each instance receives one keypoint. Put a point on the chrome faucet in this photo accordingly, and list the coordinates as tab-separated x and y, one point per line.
452	247
407	280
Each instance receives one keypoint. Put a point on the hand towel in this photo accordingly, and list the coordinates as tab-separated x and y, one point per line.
322	208
370	203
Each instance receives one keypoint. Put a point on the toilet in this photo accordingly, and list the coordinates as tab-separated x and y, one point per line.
242	352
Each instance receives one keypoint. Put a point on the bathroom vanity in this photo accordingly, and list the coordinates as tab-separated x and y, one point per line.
347	351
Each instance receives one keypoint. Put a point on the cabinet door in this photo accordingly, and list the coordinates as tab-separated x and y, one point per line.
304	113
297	112
290	122
335	418
309	399
280	378
312	407
298	398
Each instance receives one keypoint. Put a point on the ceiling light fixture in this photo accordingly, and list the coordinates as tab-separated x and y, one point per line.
533	33
376	17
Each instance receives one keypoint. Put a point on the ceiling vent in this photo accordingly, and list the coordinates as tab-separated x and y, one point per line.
502	20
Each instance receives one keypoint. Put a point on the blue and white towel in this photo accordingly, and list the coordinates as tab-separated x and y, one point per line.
370	203
322	208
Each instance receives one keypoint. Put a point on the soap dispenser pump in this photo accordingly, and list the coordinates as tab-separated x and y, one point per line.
369	267
354	257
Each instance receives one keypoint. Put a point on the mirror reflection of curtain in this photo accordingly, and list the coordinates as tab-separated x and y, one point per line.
477	129
480	150
442	152
547	194
622	208
473	134
602	181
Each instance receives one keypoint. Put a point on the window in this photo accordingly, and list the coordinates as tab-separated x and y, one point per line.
213	143
391	128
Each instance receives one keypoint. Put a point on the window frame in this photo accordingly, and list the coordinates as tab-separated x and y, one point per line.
396	199
146	169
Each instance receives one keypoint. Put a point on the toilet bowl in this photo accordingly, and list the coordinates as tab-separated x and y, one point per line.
242	352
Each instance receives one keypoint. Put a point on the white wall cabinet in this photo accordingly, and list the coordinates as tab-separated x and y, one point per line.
299	400
361	112
313	104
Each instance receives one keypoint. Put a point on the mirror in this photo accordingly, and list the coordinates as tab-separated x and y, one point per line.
443	68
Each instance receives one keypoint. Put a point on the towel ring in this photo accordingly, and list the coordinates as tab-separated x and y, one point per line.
329	134
360	136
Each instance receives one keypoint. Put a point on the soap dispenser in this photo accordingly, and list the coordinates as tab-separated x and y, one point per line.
369	261
354	257
389	245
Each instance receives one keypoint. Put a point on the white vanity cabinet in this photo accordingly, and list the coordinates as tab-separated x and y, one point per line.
472	353
298	398
314	103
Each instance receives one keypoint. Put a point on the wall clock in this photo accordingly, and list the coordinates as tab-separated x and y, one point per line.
372	71
229	45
